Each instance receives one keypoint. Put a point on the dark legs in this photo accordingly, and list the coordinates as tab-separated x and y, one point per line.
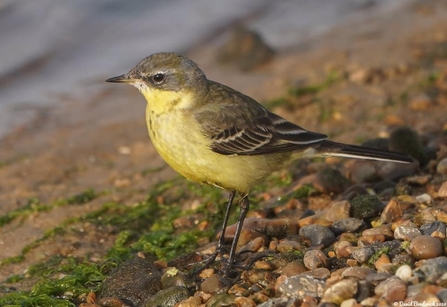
244	205
221	242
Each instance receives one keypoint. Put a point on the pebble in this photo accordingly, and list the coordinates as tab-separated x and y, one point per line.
436	229
167	297
432	269
406	233
364	290
442	192
379	230
341	249
424	198
190	302
393	210
244	302
357	272
340	291
365	206
394	171
222	299
419	180
135	280
443	295
212	284
320	273
293	268
441	168
245	49
392	289
337	210
426	247
300	286
406	140
414	289
329	180
382	263
286	246
361	171
317	235
364	253
404	272
314	259
348	225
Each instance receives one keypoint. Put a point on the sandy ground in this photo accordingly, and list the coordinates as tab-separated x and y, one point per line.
102	143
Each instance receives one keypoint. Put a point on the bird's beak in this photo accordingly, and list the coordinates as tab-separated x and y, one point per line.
121	79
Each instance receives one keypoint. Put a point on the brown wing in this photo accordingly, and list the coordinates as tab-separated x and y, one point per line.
238	125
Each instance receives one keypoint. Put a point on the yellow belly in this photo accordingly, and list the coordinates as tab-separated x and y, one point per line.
178	139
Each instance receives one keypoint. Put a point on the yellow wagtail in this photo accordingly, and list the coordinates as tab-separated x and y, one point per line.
213	134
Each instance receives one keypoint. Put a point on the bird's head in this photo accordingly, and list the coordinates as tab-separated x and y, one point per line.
164	78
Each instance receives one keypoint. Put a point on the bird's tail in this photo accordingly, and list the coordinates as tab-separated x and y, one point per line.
329	148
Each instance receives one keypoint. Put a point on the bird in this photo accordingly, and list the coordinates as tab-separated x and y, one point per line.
215	135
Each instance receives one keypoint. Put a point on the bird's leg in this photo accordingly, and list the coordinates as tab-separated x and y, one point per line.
221	241
244	205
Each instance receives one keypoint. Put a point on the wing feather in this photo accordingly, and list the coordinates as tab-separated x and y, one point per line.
238	125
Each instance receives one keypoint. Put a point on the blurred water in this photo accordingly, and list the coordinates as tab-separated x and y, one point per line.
50	48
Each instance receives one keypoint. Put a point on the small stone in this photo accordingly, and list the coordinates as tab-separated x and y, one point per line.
357	272
361	171
441	168
330	180
442	192
348	225
341	249
340	291
432	269
293	268
244	302
190	302
300	286
167	297
384	185
419	180
404	272
314	259
369	239
317	235
394	171
135	280
381	262
424	198
320	273
392	289
406	140
212	284
406	233
245	49
222	299
436	229
337	210
443	295
365	206
426	247
393	211
286	246
379	230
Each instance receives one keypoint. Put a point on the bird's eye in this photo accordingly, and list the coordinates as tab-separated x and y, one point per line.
158	78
